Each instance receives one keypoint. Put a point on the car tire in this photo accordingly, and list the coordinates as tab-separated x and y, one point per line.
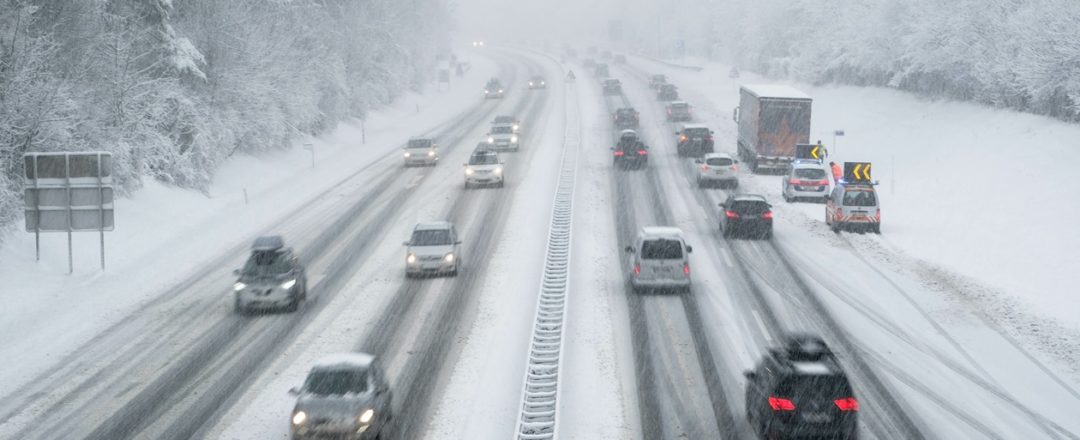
735	185
294	305
788	199
502	183
700	183
767	235
876	229
467	185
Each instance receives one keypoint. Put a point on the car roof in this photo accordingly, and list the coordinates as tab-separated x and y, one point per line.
719	155
693	126
435	225
628	132
661	232
858	187
679	103
344	360
775	91
611	80
807	163
750	197
504	117
268	243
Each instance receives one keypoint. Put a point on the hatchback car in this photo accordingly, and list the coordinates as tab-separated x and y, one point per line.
612	87
800	391
694	140
660	260
503	137
272	277
655	81
493	89
667	92
747	215
345	396
626	117
805	179
717	169
484	168
679	111
853	207
421	152
433	249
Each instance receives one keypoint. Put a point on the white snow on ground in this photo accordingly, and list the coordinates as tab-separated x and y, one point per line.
164	234
973	198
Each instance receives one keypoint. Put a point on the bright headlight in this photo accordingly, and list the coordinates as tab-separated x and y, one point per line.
530	83
366	416
407	154
500	90
498	170
516	127
299	418
288	284
469	171
239	286
513	138
410	259
491	139
449	258
430	153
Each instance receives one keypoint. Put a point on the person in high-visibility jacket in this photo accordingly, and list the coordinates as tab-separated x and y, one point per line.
837	172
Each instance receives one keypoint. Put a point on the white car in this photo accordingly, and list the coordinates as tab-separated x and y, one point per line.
484	168
433	249
718	169
421	152
805	179
503	137
660	260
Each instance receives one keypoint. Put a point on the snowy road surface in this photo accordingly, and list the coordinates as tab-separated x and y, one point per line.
172	361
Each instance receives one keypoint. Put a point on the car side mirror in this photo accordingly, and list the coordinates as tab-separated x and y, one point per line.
629	249
404	243
712	132
689	249
750	374
698	161
294	391
735	160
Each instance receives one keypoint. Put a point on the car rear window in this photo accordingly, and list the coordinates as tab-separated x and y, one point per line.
813	387
336	382
696	132
419	143
719	161
430	237
749	207
810	173
661	249
860	198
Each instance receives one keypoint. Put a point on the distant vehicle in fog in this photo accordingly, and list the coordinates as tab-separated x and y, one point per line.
493	89
421	151
626	117
537	82
679	111
667	92
612	87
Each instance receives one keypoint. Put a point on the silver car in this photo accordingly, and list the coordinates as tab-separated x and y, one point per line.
484	168
717	169
503	137
434	249
805	179
272	277
421	152
853	206
345	396
660	260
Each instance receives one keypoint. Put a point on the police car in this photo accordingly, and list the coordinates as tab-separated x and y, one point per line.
799	390
805	179
853	203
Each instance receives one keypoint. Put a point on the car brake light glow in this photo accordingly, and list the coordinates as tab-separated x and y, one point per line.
704	168
767	215
794	182
682	138
823	182
642	152
686	268
619	153
637	269
847	404
734	168
731	214
779	404
877	215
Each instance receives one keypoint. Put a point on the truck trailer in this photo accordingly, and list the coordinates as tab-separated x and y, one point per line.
772	119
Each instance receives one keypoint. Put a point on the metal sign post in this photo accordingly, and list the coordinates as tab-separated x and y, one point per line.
311	148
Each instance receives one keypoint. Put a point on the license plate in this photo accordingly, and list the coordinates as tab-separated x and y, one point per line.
665	269
816	417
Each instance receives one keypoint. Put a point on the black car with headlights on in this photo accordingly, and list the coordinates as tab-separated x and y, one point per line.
612	87
747	215
493	89
345	396
272	277
799	390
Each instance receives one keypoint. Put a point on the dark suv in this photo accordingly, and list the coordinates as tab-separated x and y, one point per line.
626	117
799	390
630	152
667	92
612	87
694	140
602	70
749	215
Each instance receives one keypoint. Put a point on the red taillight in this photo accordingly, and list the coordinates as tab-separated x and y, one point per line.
731	214
704	168
877	215
619	153
767	215
669	111
683	138
708	138
734	168
637	269
779	404
823	183
642	152
793	182
848	404
686	268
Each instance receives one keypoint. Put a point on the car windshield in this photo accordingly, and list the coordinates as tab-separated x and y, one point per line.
419	143
502	129
483	159
804	388
719	161
262	263
430	237
752	207
336	382
626	112
860	198
661	249
696	132
679	107
810	173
